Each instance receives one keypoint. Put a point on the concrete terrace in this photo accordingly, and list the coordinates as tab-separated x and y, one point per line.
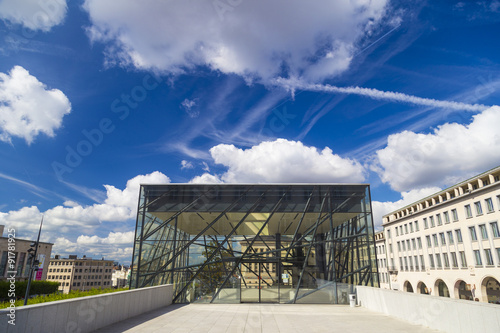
263	318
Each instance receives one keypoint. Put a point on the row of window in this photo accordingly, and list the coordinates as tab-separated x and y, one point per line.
437	220
77	284
442	260
78	263
441	238
79	277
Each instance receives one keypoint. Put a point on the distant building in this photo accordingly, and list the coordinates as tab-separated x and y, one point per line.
448	244
119	276
20	256
80	273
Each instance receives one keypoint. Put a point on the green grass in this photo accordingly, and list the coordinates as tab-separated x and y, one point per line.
60	296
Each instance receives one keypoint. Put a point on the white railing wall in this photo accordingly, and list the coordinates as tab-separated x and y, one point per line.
440	313
86	314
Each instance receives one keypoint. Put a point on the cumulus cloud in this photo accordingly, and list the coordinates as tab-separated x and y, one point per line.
382	208
119	206
254	39
283	161
206	178
28	108
116	246
34	14
450	153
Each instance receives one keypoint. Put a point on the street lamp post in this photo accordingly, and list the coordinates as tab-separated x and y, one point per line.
34	262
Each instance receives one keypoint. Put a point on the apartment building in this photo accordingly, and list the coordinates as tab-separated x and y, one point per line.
448	244
16	250
80	273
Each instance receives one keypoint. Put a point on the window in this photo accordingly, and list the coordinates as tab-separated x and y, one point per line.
454	261
422	264
431	220
408	246
489	205
463	260
435	238
494	229
431	260
477	257
406	228
438	218
419	240
498	253
446	260
416	226
401	263
428	238
489	257
397	231
468	211
443	240
403	245
484	232
425	223
455	215
414	244
401	229
406	264
390	248
450	237
473	235
411	227
458	232
399	246
416	262
438	260
388	233
479	210
446	217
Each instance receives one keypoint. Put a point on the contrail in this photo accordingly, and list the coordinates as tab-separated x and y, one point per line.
292	85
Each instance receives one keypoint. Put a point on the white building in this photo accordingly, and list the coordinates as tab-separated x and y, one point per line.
383	274
119	276
448	244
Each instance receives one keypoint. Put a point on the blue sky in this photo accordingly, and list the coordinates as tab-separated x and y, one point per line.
98	96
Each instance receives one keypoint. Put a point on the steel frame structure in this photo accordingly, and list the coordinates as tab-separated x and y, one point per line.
286	243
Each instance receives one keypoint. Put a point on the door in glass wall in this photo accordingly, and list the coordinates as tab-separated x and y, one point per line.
259	283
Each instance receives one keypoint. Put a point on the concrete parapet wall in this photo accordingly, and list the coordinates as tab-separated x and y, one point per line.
86	314
441	313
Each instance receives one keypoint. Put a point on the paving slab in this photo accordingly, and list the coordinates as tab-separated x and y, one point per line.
260	318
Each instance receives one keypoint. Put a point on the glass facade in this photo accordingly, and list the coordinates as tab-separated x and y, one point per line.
231	243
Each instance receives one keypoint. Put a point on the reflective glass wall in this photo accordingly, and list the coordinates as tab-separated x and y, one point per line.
255	243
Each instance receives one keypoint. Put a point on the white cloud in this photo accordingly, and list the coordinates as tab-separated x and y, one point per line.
206	178
116	246
34	14
293	84
450	153
27	108
284	161
188	106
119	206
382	208
186	165
254	39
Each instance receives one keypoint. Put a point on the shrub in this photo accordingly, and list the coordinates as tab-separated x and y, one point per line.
37	288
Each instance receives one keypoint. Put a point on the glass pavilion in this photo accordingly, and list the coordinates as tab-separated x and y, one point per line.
232	243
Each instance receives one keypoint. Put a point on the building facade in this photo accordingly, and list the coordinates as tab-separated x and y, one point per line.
19	255
84	273
448	244
230	243
383	274
119	276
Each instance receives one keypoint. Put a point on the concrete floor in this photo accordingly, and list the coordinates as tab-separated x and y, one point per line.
263	318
